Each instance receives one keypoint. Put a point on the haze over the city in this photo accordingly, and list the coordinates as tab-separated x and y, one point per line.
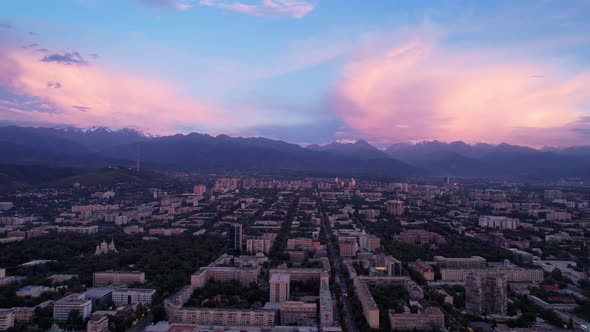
302	71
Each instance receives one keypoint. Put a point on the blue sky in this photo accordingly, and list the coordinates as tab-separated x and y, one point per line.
303	71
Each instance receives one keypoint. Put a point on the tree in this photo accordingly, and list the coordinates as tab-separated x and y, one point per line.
75	321
159	313
557	275
45	323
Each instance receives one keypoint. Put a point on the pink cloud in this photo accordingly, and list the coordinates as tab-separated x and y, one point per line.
419	90
265	8
84	95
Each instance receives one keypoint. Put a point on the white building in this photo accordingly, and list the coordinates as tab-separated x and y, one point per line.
125	296
6	319
76	301
500	222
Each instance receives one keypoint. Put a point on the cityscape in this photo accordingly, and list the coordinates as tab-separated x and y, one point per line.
294	166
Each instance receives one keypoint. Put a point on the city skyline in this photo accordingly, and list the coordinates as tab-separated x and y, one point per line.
302	71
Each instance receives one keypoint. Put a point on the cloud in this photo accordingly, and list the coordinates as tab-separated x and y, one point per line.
53	85
418	89
56	92
5	26
33	45
265	8
82	108
73	58
181	5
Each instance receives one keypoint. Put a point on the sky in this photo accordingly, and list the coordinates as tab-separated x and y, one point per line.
303	71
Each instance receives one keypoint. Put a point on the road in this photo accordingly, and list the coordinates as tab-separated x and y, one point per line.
348	317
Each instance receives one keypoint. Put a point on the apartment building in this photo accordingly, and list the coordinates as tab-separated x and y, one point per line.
421	237
299	313
118	278
6	319
300	244
513	274
243	275
126	296
474	262
280	287
98	324
429	319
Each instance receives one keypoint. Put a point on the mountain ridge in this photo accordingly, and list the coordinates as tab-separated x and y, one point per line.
101	147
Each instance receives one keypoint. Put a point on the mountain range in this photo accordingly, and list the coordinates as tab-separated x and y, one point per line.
101	147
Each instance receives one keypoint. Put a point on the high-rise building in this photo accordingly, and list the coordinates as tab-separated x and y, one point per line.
486	293
474	293
235	237
395	208
496	294
200	190
280	287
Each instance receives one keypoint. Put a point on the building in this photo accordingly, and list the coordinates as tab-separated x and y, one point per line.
374	243
222	317
421	237
513	274
424	269
98	324
393	266
6	206
474	293
300	244
200	190
76	301
121	220
118	277
280	287
498	222
298	313
486	294
23	314
78	229
326	302
370	308
474	262
235	237
126	296
166	231
130	230
33	291
243	275
395	208
429	319
6	319
256	245
348	247
99	295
